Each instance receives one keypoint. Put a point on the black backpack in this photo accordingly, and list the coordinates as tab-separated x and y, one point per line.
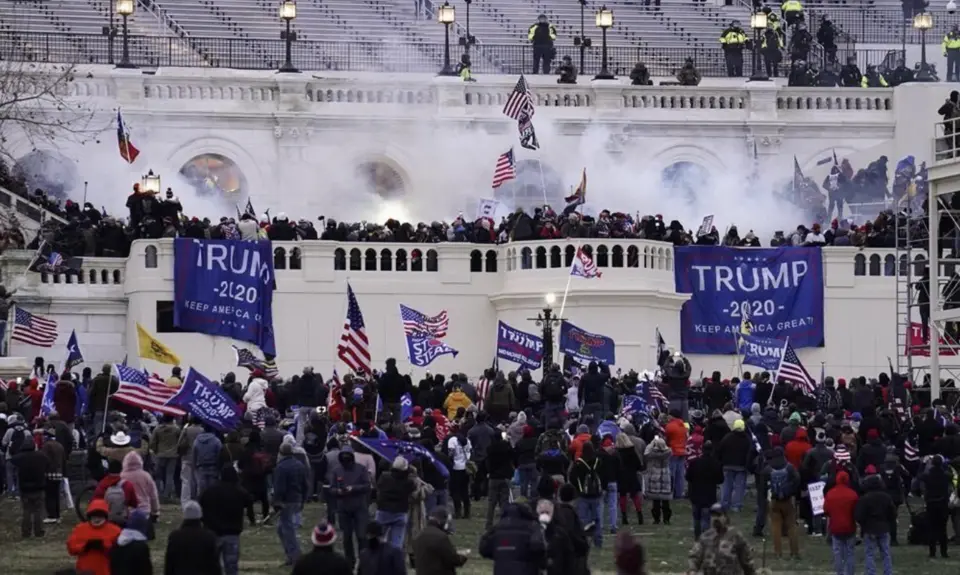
590	486
16	440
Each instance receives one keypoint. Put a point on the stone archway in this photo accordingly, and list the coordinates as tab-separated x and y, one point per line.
51	172
527	190
215	176
684	180
380	178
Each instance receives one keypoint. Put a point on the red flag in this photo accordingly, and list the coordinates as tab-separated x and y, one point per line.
128	151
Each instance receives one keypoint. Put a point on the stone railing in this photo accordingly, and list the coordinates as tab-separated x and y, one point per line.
94	273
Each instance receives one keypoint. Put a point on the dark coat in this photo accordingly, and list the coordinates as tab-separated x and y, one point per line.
223	506
734	450
130	558
192	550
290	481
875	511
566	516
394	490
703	476
516	543
434	553
384	560
322	560
628	479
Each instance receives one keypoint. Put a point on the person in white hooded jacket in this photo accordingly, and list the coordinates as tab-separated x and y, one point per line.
255	396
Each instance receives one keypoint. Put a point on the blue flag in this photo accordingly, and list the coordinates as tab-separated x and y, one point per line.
608	428
423	349
389	449
634	404
74	355
46	404
207	402
780	291
585	346
225	287
406	407
519	346
762	352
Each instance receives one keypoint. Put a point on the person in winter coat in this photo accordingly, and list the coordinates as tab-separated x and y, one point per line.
560	555
839	506
112	478
394	489
516	543
629	554
677	433
350	484
734	454
323	558
586	476
456	400
722	549
223	505
875	512
896	480
91	541
582	438
515	430
255	397
378	558
501	400
657	479
525	452
433	551
704	474
290	485
610	467
148	501
163	444
254	465
131	554
781	482
936	483
628	477
32	468
65	400
872	453
460	449
192	548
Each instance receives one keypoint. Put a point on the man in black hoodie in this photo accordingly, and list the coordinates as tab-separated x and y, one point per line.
936	482
500	468
704	474
516	544
391	387
223	505
875	513
591	393
192	548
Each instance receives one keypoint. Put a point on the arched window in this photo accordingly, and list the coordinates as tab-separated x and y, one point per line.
81	278
541	262
526	258
491	262
104	277
476	261
116	277
633	257
889	265
150	257
588	250
279	259
401	260
859	265
296	262
617	257
556	257
569	253
386	260
903	265
355	260
93	276
339	259
416	260
603	257
432	263
874	269
56	278
370	260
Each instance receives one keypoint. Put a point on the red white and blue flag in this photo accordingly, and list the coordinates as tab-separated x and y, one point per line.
128	151
583	266
147	392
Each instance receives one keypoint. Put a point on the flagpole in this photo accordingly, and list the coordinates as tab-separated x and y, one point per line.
566	290
738	362
543	185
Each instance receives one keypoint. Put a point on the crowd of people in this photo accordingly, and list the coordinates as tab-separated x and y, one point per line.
559	464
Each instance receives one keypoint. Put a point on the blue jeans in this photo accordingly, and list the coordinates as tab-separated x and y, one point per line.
164	474
678	468
528	480
844	554
228	546
437	499
395	525
611	505
205	478
11	470
590	510
287	531
701	520
874	544
734	483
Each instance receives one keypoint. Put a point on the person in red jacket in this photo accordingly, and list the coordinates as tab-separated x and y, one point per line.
36	398
65	400
112	478
838	506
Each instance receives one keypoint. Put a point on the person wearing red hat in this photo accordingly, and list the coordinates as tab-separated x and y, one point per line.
839	506
872	453
323	558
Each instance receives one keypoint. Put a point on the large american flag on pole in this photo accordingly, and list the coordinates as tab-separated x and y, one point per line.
33	329
416	323
505	170
792	371
145	391
354	347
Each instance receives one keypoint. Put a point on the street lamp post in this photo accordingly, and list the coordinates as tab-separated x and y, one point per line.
758	21
468	40
923	22
110	31
546	320
582	41
288	13
150	183
125	9
604	22
446	15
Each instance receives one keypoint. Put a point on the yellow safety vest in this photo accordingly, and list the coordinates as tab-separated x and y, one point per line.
733	38
792	6
763	43
951	41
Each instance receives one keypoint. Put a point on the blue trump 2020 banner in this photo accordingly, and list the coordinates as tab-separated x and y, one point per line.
762	352
780	291
585	346
225	287
519	346
207	402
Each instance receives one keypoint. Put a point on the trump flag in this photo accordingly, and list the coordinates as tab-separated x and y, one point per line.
207	402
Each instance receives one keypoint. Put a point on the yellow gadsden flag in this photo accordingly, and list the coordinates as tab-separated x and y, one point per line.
151	348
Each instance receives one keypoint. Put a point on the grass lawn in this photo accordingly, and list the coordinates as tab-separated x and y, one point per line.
667	546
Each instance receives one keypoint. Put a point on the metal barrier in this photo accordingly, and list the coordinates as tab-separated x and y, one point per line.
268	54
870	25
946	140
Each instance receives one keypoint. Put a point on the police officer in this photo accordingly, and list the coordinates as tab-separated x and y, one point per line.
800	42
951	49
568	72
873	78
688	75
792	12
771	48
733	41
541	35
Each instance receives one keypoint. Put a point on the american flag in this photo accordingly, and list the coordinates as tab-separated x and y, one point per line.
910	451
483	388
505	170
416	323
33	329
520	101
55	259
354	348
792	371
654	393
144	391
583	266
249	360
